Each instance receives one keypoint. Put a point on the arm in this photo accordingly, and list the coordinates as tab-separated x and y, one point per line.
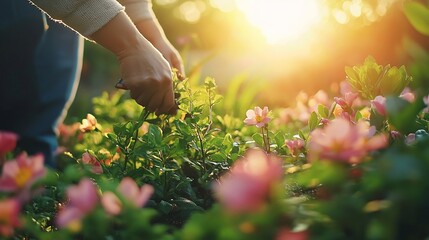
140	11
84	16
146	73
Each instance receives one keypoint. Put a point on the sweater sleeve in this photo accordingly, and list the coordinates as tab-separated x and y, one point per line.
84	16
138	10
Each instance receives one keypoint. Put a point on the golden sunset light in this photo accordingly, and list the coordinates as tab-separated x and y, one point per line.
280	20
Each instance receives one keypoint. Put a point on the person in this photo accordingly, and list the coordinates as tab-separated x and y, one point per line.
41	59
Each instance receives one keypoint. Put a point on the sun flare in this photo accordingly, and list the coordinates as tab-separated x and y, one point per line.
281	20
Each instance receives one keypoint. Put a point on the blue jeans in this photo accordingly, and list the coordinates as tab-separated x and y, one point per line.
40	63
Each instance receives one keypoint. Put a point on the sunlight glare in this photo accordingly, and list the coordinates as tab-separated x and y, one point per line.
281	20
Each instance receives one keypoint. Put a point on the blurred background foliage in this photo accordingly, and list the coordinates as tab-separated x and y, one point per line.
266	52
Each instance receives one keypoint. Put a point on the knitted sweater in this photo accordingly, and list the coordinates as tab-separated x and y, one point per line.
87	16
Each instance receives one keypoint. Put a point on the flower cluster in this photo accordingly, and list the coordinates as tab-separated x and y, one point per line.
129	190
17	179
83	198
343	141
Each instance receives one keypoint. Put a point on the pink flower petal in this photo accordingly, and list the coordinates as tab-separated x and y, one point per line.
344	141
88	159
84	195
379	103
111	203
146	192
129	189
250	114
9	216
258	111
7	141
249	182
68	215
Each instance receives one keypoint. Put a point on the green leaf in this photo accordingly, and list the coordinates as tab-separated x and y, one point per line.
182	127
257	137
323	172
155	134
418	15
185	208
372	79
219	157
165	207
117	128
111	136
323	111
394	81
403	114
186	204
279	138
358	116
376	120
209	83
313	122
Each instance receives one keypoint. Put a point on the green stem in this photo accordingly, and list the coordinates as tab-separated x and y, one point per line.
203	153
144	114
266	139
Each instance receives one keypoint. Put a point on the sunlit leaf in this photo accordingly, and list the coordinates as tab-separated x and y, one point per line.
323	111
257	137
418	15
313	122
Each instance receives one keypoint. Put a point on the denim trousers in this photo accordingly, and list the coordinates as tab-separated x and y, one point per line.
40	63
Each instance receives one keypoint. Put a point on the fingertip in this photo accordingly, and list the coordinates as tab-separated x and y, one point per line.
181	76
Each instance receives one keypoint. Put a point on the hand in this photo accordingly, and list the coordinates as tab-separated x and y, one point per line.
147	75
144	70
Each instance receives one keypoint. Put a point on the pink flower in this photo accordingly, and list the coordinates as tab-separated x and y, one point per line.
90	160
82	199
257	117
346	102
9	216
137	196
7	142
128	189
407	95
295	146
20	173
345	142
250	182
88	124
379	103
410	139
287	234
